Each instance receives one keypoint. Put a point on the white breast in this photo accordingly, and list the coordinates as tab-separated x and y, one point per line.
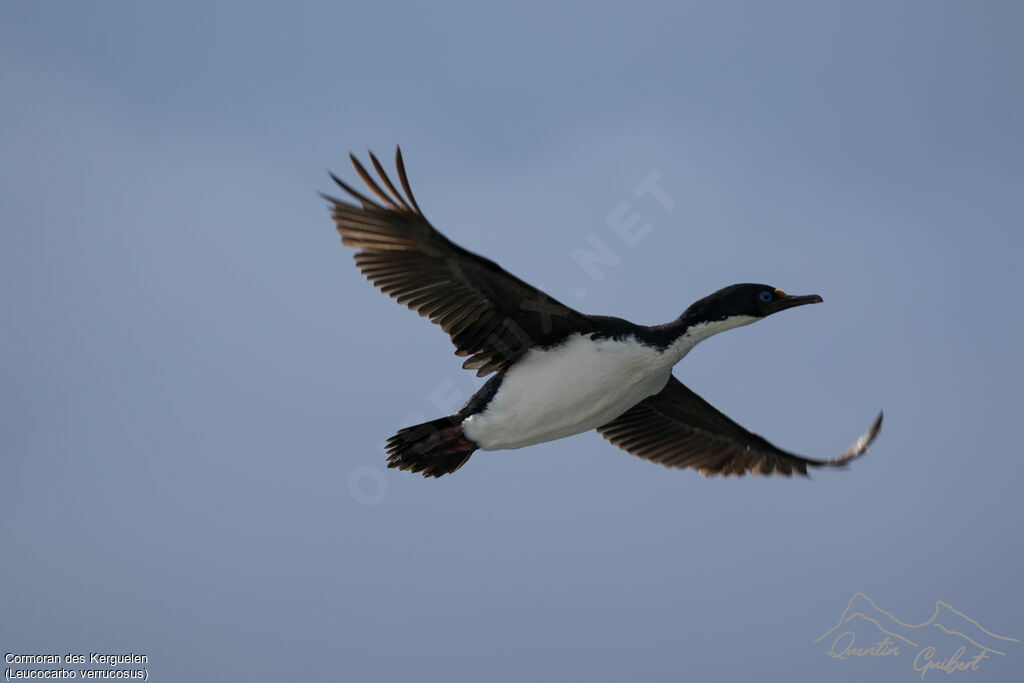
577	386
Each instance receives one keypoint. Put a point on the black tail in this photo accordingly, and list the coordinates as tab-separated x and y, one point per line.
433	448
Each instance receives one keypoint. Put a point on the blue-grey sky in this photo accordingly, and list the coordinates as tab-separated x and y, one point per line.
197	383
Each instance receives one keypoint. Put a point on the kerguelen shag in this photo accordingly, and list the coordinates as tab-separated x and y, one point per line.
558	372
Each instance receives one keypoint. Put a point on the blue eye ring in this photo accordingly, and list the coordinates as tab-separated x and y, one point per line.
765	296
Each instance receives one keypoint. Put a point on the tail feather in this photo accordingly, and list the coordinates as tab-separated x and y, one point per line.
434	448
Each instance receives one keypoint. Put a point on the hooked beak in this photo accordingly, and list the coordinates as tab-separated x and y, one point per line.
782	301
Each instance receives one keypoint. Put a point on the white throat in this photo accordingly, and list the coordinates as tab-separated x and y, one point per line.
697	333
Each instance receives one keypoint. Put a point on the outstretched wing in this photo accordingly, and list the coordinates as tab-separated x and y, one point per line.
492	316
678	428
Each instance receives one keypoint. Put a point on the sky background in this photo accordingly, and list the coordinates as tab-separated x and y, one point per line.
196	382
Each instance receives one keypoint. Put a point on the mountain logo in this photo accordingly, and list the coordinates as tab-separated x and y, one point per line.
950	641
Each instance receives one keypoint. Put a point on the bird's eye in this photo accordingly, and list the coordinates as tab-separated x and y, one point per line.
765	296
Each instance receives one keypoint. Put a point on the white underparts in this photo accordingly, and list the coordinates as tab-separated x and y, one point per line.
577	386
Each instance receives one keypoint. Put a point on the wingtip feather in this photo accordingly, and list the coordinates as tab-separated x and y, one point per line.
404	179
860	446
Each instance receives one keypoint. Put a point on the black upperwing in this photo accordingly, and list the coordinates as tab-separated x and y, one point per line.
492	316
678	428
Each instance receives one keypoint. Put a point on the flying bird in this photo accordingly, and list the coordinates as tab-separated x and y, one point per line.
556	371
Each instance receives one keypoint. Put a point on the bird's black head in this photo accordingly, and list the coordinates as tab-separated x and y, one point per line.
745	301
